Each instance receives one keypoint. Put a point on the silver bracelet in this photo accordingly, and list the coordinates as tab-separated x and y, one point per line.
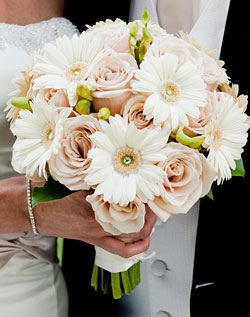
30	209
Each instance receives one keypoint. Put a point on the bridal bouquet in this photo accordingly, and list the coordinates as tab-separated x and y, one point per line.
134	115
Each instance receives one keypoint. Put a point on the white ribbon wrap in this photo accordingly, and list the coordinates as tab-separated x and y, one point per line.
114	263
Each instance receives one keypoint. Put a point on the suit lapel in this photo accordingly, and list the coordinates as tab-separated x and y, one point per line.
218	259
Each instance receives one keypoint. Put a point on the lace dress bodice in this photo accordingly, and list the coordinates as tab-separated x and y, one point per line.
16	45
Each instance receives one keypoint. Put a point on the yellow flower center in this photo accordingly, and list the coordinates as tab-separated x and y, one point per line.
214	135
76	71
48	135
170	91
126	160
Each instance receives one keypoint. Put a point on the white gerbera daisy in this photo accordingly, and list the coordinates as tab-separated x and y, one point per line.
124	162
38	137
22	82
67	63
175	92
225	136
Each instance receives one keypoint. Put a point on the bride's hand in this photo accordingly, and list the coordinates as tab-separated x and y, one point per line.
72	217
146	231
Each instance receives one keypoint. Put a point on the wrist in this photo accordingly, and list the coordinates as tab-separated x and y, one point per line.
13	206
21	206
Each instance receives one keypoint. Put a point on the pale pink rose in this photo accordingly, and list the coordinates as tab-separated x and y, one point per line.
55	97
134	110
110	81
113	34
70	164
197	125
189	177
213	73
173	45
116	219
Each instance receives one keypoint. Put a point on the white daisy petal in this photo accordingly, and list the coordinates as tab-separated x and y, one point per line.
38	136
124	169
225	136
171	87
67	63
102	141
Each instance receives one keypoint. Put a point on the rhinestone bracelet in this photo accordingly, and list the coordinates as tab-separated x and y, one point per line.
30	209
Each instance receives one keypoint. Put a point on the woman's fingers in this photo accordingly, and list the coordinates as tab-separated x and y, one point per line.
123	249
145	232
149	224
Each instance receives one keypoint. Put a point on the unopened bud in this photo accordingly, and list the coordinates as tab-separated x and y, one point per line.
21	102
193	142
84	92
83	106
104	113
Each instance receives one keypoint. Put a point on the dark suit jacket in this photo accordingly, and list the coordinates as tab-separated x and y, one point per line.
221	232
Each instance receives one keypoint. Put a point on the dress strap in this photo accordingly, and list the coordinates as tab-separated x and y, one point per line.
209	28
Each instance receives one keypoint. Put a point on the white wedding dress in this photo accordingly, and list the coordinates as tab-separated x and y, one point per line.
31	282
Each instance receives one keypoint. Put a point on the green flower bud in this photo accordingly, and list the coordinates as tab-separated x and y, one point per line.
145	17
134	30
21	103
104	113
84	92
193	142
83	106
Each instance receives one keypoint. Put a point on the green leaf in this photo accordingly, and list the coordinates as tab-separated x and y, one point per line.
239	170
145	17
210	194
51	191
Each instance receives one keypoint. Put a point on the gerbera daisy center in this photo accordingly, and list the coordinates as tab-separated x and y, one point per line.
76	71
214	135
48	135
126	160
170	91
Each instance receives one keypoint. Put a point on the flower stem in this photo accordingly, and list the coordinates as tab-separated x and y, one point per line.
126	282
131	273
60	243
137	273
116	285
94	278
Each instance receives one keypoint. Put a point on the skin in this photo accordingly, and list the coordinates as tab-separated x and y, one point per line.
29	11
71	217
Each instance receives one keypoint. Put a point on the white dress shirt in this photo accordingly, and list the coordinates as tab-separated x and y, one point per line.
167	279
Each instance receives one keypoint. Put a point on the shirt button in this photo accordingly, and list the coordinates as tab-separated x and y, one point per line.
159	268
163	313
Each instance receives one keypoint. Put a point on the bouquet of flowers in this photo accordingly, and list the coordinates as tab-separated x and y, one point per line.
134	115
